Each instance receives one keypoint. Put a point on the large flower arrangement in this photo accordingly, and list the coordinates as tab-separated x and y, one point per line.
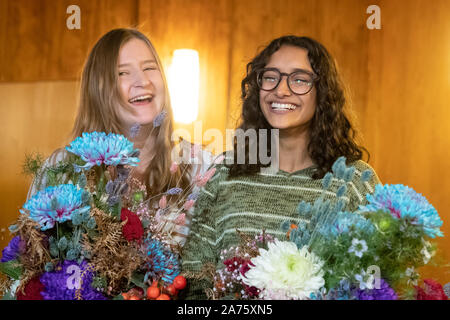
91	233
370	254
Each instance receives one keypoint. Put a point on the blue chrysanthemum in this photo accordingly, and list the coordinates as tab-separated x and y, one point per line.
403	202
56	204
97	148
162	262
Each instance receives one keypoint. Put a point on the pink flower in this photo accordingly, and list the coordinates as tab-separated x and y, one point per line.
188	204
174	167
208	174
202	180
163	202
181	219
219	159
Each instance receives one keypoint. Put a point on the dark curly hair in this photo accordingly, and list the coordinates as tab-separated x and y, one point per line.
332	134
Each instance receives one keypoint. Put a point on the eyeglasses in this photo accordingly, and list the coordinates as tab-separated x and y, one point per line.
299	82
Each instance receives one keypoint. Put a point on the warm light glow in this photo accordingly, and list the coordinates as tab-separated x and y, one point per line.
184	79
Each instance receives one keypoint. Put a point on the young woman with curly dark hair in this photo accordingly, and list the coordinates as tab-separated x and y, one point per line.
292	85
320	131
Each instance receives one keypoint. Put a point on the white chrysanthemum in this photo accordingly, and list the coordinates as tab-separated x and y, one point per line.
283	268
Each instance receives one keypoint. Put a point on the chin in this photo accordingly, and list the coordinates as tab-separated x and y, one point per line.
279	125
146	119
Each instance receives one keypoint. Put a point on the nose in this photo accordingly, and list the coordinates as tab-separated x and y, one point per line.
141	79
283	89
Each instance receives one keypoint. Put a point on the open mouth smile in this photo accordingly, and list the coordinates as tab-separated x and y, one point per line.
141	99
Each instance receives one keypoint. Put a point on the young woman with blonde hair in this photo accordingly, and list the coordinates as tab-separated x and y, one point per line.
124	91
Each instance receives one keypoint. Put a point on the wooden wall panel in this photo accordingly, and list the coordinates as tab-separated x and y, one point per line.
37	45
407	117
339	25
398	76
35	117
202	25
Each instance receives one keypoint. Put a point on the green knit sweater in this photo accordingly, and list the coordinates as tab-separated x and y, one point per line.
251	204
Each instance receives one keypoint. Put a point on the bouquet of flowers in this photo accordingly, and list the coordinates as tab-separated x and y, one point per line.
370	254
91	233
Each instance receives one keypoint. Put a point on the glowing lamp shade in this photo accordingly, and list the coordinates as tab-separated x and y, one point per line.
183	81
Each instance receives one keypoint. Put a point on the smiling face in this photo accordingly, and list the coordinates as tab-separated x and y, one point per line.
141	84
282	108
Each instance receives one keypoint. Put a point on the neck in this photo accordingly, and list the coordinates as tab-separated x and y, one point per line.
144	141
294	154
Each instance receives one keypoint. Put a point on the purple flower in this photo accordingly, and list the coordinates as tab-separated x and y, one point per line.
193	196
15	247
385	292
159	119
174	191
134	130
70	281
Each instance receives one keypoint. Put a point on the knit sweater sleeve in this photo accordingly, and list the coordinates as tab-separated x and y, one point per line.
200	248
358	189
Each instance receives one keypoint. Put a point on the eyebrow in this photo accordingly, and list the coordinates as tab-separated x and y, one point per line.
303	70
294	70
143	62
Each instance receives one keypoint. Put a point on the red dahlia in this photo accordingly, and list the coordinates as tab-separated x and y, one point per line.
133	229
32	290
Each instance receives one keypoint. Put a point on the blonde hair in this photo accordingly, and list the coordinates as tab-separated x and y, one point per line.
100	95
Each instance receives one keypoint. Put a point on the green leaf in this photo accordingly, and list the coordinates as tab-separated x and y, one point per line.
138	280
115	210
11	268
118	297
